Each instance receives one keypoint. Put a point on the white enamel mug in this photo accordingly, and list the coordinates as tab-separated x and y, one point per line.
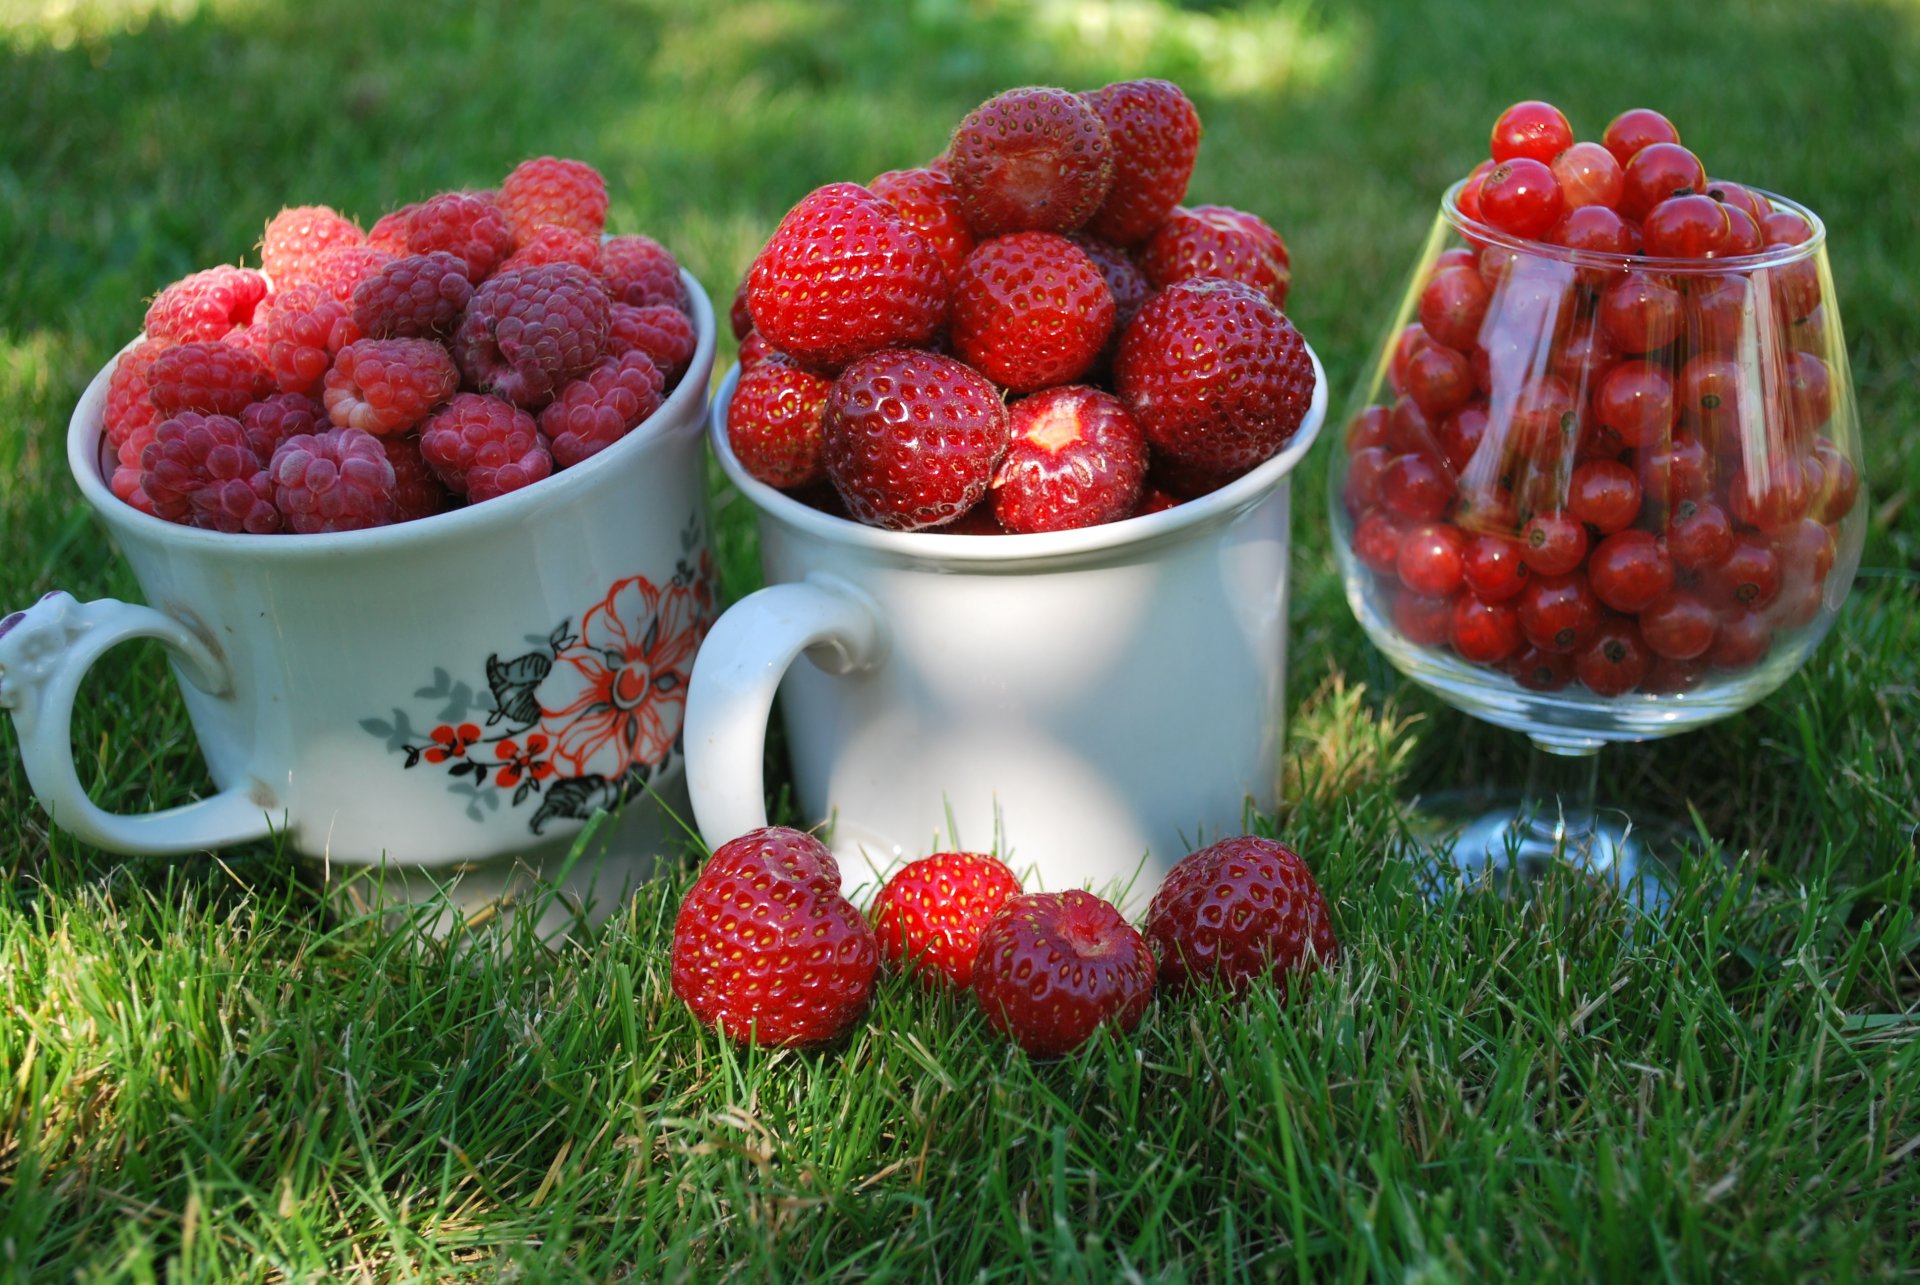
439	695
1092	703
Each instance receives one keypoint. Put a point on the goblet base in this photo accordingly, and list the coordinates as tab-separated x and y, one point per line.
1511	842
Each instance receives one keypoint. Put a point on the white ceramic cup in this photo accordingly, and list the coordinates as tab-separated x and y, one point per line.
1093	703
433	695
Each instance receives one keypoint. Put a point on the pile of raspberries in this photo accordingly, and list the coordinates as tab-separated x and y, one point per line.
462	347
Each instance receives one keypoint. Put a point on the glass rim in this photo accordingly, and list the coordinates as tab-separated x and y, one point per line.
1772	257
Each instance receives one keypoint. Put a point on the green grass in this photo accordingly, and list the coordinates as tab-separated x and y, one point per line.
206	1075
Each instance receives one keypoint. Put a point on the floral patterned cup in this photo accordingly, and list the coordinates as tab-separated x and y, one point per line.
440	696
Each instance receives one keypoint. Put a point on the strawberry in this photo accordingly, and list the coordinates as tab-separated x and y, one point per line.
1215	373
766	949
1076	459
1218	241
1156	136
774	422
930	914
1243	908
1053	966
912	438
1030	160
926	200
1030	310
844	275
1125	282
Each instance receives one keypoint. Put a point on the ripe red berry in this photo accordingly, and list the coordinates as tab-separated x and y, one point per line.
1615	661
296	237
551	243
844	275
1555	543
1030	310
339	480
1521	197
386	386
1635	401
775	423
1679	626
1494	567
1431	559
415	296
766	949
1242	909
1744	639
1030	160
206	304
1531	129
1075	458
1155	133
1415	487
1593	228
1604	494
483	447
215	378
1630	570
1560	614
1052	968
1219	241
549	190
1699	535
1694	226
925	199
1376	543
1589	176
929	915
201	471
473	230
1421	618
1483	632
1657	172
594	410
1453	305
528	331
1634	129
638	270
912	438
1641	312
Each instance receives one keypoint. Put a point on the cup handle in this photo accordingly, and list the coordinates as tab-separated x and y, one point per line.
44	653
736	675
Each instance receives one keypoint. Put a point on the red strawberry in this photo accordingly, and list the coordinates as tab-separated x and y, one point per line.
1219	241
1030	310
1125	282
1030	160
1216	375
766	949
930	914
844	275
1156	136
1076	459
1241	909
926	200
912	438
1053	966
774	422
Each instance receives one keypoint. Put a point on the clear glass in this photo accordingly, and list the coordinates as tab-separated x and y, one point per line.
1599	498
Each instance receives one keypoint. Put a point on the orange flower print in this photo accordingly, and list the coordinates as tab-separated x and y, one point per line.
614	698
451	742
517	761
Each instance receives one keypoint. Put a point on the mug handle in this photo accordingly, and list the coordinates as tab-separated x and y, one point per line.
44	653
736	675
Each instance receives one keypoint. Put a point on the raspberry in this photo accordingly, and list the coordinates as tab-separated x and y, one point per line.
387	386
339	270
1030	160
297	236
549	190
1030	310
1243	908
415	297
775	422
1215	373
1076	459
1052	968
1156	136
927	201
526	332
602	406
931	912
551	243
389	231
661	332
1218	241
125	481
639	270
305	328
1125	282
482	447
472	229
338	480
129	407
272	420
206	305
200	471
842	276
417	490
912	438
216	378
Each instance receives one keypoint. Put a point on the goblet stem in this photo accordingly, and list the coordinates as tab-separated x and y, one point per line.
1557	811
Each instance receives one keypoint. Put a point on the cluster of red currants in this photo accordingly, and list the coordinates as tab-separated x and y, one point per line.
1605	447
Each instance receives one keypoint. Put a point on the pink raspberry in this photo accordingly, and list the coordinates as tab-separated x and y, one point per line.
640	271
299	235
272	420
465	226
602	406
483	447
551	243
125	481
341	268
527	332
417	491
129	407
338	480
388	385
200	471
548	189
389	231
206	305
415	297
216	378
305	328
661	332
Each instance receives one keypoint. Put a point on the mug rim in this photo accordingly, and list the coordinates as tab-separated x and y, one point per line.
1010	548
86	431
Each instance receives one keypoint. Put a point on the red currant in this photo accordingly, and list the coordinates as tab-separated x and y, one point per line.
1453	305
1743	235
1629	570
1615	661
1672	472
1709	391
1641	312
1809	393
1461	434
1604	494
1595	229
1589	177
1839	483
1656	172
1798	605
1739	197
1376	544
1439	380
1559	613
1420	619
1555	543
1635	400
1413	337
1634	129
1774	501
1540	671
1494	567
1716	312
1431	559
1521	198
1483	632
1796	289
1468	201
1585	351
1785	227
1694	226
1532	129
1411	431
1699	535
1368	428
1361	490
1670	677
1416	487
1679	626
1806	551
1743	639
1750	576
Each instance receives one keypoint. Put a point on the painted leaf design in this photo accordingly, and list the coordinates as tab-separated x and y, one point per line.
513	682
